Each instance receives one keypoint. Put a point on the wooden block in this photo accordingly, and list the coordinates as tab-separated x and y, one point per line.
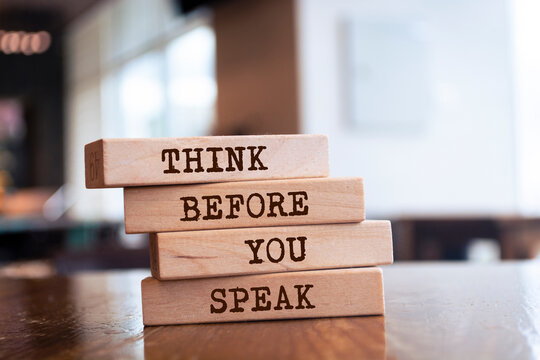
211	253
302	294
243	204
161	161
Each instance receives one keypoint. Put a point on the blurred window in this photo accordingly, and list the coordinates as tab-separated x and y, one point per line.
142	97
168	91
135	68
191	88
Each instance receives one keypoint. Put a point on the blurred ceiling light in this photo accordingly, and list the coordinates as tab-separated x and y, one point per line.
39	42
14	42
4	43
25	47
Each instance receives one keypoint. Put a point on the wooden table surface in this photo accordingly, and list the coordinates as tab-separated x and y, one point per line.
433	311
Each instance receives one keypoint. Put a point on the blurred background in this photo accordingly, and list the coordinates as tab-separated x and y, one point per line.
435	103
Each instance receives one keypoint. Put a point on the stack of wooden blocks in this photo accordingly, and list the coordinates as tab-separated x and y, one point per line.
245	227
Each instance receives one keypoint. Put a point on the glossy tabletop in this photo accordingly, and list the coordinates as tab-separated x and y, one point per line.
433	311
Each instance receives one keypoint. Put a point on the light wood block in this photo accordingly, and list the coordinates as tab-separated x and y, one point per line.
211	253
243	204
302	294
161	161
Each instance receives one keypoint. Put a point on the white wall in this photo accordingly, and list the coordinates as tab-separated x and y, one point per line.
526	59
463	160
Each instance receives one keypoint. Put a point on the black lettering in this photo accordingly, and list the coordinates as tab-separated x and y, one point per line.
170	152
255	158
193	207
196	158
274	203
212	207
260	299
281	249
298	204
234	205
302	256
238	160
303	298
255	250
215	167
261	199
238	300
213	309
282	298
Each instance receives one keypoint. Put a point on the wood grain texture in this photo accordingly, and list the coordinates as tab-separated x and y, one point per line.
302	294
305	201
162	161
210	253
